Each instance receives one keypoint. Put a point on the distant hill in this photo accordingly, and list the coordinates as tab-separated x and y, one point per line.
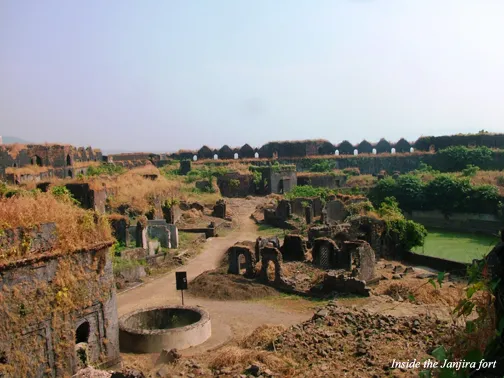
11	139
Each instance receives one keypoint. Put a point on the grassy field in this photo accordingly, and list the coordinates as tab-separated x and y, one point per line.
456	246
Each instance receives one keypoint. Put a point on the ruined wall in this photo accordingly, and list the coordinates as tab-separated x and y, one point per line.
87	197
236	185
45	301
321	180
460	222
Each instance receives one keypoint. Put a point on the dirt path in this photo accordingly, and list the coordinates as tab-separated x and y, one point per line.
229	318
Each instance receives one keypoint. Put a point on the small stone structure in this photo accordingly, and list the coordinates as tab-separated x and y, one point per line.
362	258
47	322
268	254
324	253
170	327
87	197
336	211
158	229
234	254
219	210
120	225
263	242
336	281
294	248
185	167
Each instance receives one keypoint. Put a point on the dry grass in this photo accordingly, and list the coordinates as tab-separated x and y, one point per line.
76	228
262	337
361	181
229	356
14	149
80	164
28	170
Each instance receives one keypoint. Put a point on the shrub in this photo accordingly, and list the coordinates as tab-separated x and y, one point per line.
456	158
402	233
105	169
352	171
307	191
448	193
409	192
383	189
470	171
323	166
500	180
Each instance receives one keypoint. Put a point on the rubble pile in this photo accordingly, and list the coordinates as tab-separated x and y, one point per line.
340	341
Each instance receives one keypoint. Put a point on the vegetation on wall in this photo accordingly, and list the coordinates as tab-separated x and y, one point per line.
456	158
445	192
105	169
76	228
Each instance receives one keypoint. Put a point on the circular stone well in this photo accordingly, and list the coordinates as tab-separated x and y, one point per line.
153	329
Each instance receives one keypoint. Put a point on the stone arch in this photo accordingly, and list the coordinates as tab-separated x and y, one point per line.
235	156
36	160
373	151
195	157
392	150
68	160
216	157
256	155
82	332
14	165
336	152
272	254
411	150
235	254
356	152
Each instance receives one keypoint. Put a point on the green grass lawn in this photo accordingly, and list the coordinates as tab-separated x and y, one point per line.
463	247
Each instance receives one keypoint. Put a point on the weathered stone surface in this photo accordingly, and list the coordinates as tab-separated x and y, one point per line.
336	211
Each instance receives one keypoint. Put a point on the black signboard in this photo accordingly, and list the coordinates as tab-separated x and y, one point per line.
181	278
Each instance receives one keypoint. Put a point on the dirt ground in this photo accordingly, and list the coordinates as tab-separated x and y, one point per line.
238	307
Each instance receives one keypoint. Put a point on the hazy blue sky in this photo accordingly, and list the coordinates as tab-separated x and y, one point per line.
163	75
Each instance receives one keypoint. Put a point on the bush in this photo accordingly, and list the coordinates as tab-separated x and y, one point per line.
448	193
105	169
456	158
323	166
409	192
470	171
402	233
383	189
352	171
307	191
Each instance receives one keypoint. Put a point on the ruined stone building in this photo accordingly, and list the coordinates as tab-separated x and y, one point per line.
36	162
58	309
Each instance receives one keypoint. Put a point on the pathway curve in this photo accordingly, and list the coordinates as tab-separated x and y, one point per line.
229	318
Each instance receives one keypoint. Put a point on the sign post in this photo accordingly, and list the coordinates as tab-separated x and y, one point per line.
181	278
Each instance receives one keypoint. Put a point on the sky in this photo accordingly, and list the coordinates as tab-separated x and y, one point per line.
166	75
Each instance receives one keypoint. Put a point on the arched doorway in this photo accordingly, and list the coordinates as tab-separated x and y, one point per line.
70	173
216	157
82	333
373	151
68	160
356	152
235	156
195	158
256	155
36	160
336	152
